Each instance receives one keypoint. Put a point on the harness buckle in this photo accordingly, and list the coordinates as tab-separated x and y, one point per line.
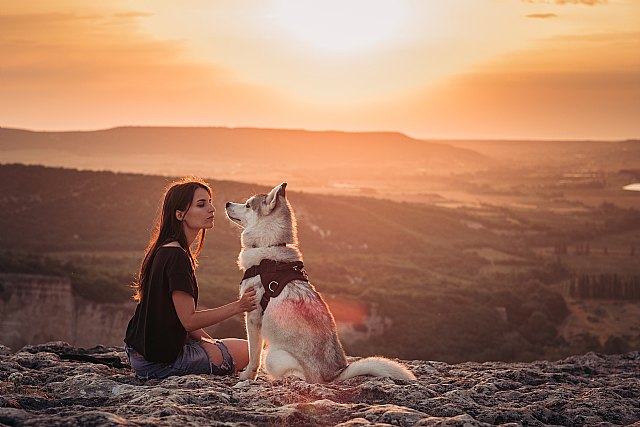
301	270
272	283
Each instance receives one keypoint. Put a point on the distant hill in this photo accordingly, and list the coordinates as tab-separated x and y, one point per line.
242	154
604	156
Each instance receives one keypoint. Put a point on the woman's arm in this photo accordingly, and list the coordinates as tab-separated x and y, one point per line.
193	320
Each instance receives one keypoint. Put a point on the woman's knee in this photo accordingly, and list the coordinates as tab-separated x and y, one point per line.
239	350
215	354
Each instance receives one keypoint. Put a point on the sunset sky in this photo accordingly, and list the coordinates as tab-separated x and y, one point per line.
566	69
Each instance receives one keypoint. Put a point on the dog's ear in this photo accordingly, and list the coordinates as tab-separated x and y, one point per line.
273	195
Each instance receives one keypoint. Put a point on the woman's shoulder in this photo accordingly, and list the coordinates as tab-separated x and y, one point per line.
174	244
171	260
173	257
171	252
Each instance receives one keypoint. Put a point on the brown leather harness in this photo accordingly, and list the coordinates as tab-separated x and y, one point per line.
274	276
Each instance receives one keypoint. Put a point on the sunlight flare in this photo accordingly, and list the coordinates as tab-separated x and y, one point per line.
339	25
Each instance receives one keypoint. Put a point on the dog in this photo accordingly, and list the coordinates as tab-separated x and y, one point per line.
297	326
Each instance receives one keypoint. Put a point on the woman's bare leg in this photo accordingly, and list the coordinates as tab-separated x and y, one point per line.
215	355
238	348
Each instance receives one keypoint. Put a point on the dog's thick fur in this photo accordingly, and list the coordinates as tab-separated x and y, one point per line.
297	326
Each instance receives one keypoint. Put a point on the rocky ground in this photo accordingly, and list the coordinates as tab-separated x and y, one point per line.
44	385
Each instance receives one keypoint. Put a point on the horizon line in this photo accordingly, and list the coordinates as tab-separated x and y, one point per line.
448	138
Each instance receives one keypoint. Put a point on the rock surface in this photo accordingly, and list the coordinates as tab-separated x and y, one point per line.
40	385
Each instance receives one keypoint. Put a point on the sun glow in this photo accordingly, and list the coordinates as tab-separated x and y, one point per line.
341	25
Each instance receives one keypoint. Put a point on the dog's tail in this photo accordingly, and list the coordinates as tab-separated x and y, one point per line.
377	367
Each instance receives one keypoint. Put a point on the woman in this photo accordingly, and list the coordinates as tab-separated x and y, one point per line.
165	336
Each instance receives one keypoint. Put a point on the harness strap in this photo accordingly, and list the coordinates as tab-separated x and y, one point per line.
274	276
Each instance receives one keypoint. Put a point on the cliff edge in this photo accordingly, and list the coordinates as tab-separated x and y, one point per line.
47	385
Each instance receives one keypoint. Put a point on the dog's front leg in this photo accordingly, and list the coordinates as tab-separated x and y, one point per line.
254	335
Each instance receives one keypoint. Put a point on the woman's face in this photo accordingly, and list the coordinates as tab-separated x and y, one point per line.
201	212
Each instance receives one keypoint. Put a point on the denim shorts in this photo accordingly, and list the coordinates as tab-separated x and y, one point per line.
193	359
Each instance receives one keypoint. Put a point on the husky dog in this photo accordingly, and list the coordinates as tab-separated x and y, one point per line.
296	325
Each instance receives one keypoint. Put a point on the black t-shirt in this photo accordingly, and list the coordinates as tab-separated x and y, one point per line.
155	330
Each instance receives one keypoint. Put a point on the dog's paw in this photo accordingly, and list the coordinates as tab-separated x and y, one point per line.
248	374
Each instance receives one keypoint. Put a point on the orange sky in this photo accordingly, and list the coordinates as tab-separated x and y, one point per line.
430	68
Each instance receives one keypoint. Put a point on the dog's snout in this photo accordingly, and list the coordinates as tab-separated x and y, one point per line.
228	204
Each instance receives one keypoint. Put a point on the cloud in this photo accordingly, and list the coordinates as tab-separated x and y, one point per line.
563	87
133	14
101	70
562	2
542	15
587	2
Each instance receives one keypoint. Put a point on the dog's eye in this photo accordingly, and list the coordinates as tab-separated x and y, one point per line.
247	205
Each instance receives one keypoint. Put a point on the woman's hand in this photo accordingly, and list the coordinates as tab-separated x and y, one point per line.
193	320
247	301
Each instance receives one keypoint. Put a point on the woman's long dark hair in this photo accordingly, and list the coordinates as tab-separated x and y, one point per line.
168	228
